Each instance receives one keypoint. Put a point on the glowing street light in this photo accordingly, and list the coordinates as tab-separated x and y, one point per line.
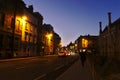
24	18
49	36
48	40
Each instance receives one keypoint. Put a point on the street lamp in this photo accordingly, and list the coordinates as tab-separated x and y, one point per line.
24	18
49	36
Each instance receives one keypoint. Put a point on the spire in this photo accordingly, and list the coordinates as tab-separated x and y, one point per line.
100	25
109	18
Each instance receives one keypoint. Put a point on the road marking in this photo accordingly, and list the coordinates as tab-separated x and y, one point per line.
58	67
39	77
20	67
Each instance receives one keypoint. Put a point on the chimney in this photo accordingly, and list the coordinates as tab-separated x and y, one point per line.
100	25
30	7
109	18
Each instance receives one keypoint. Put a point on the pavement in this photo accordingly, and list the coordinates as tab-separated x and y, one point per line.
78	72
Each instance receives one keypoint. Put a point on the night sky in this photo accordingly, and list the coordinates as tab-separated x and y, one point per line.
72	18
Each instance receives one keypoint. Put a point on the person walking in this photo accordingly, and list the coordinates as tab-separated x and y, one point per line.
82	57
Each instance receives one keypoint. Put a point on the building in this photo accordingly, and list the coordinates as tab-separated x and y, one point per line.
19	29
109	39
47	39
29	32
39	33
22	32
87	43
10	30
57	43
71	47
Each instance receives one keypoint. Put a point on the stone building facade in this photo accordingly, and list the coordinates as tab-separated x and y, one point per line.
18	29
109	39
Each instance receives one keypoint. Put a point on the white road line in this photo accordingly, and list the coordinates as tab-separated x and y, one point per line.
58	67
20	67
39	77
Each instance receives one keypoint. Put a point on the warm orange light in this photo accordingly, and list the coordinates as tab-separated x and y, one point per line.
49	36
24	18
23	22
60	44
84	43
75	45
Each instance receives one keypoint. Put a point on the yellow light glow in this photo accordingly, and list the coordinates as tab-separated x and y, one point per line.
60	44
49	39
75	45
84	43
49	36
24	18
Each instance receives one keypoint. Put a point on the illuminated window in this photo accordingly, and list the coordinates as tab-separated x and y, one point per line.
18	25
84	43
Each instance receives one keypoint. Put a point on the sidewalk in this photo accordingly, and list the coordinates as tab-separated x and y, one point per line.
77	72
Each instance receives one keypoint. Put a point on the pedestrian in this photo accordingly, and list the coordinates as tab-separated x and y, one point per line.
83	58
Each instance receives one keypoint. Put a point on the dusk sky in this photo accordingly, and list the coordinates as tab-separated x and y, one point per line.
72	18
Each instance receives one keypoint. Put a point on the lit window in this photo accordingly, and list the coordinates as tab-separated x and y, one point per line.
26	26
18	24
31	28
84	43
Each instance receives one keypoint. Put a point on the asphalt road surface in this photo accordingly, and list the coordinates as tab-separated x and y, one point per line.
35	68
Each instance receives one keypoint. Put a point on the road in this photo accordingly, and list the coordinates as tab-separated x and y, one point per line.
35	68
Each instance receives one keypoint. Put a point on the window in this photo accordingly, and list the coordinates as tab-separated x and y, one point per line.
24	48
26	36
1	41
16	42
31	28
18	25
30	38
2	19
12	22
10	40
26	27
